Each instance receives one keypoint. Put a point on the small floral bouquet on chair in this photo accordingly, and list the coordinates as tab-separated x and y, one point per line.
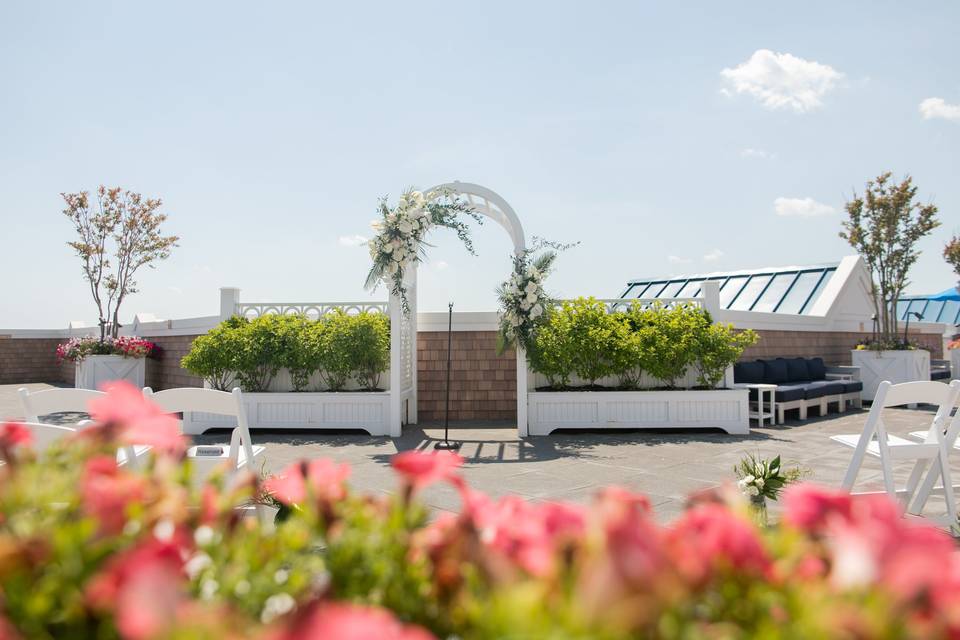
760	479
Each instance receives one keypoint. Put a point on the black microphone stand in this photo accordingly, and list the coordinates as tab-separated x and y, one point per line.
446	444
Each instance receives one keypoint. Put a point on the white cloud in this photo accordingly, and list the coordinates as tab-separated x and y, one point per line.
801	207
938	108
782	80
678	260
353	241
757	153
713	256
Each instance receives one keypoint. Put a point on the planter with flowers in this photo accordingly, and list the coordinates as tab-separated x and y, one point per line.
99	361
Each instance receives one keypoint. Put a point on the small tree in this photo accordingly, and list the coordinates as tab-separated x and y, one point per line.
884	227
117	238
951	253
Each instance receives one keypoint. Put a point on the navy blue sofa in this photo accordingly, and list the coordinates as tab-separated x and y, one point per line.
802	383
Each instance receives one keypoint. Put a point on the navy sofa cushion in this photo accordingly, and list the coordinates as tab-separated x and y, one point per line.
749	372
775	371
939	374
783	393
851	386
820	388
818	370
796	369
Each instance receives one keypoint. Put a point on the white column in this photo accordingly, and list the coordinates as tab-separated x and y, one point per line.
229	299
396	317
710	292
412	295
521	392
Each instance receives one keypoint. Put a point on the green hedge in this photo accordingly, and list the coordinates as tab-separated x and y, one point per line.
581	338
339	347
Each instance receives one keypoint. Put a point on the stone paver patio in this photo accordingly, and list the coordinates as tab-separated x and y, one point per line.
666	465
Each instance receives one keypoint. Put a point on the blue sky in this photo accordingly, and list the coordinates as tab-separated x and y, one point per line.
666	138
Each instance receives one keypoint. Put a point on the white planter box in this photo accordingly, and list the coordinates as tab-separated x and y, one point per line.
367	410
725	409
93	371
954	363
894	366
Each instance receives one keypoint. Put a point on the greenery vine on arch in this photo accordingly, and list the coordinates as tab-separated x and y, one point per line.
401	230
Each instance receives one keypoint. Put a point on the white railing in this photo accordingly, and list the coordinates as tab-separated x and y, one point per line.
312	310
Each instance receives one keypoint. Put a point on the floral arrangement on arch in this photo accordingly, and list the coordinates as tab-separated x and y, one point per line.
91	549
523	300
400	232
76	349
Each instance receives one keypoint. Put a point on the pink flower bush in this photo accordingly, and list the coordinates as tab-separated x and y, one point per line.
90	549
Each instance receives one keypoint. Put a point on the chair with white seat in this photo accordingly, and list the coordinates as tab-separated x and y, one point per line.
59	400
930	456
241	453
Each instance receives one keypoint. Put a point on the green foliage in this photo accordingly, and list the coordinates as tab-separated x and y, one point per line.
951	253
884	226
339	347
717	347
302	348
212	356
369	342
261	352
552	350
582	338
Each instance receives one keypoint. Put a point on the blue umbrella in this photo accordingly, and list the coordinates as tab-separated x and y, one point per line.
948	294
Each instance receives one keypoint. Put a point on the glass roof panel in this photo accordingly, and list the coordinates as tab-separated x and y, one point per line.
690	289
950	313
748	295
795	298
729	290
670	291
772	295
817	291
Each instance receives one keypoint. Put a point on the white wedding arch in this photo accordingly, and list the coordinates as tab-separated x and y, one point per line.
403	342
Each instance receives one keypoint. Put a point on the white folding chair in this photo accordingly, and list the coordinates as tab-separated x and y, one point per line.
56	400
932	453
241	452
45	435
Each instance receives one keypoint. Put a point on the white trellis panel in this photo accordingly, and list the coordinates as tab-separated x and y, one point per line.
312	310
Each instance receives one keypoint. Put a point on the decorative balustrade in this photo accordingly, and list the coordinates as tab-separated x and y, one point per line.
624	304
312	310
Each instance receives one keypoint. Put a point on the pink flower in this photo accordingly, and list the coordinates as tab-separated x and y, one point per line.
634	542
15	434
106	492
710	538
421	469
329	621
323	478
141	586
809	507
139	421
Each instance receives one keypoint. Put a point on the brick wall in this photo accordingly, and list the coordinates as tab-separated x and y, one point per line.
29	360
482	384
833	346
164	372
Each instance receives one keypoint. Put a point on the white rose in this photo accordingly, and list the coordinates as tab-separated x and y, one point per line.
392	268
525	305
516	322
752	491
387	248
531	287
531	298
759	483
536	311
